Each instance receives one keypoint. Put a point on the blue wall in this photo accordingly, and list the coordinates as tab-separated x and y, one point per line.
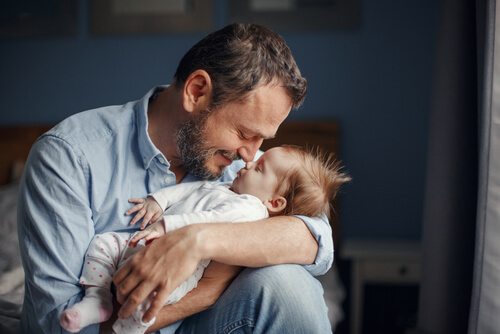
376	81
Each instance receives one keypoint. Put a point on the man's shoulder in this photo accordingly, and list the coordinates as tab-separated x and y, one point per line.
94	126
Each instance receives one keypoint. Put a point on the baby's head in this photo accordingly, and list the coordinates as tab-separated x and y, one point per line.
292	181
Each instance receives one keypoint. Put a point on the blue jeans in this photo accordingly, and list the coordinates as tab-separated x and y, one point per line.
276	299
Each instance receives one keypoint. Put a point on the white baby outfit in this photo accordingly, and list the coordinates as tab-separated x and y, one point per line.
184	204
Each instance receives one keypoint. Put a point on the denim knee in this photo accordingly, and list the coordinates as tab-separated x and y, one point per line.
287	298
272	300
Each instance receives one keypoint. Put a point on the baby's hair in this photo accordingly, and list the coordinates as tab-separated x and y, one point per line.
310	185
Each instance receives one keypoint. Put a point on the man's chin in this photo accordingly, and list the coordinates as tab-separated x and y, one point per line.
208	173
216	174
216	166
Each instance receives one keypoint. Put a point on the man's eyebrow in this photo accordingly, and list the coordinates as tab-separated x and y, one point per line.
266	138
258	133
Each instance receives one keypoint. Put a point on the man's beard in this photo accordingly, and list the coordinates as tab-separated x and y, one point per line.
194	150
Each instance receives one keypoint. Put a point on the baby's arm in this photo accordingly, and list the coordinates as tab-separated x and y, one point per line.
153	206
235	209
173	194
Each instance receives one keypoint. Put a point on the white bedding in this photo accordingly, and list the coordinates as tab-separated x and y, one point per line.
11	271
12	274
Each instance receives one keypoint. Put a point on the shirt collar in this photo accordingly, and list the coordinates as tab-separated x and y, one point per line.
146	147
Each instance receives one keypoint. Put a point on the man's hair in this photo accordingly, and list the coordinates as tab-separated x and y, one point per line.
239	58
311	184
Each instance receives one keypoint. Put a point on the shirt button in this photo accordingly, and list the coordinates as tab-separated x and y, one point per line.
168	179
161	160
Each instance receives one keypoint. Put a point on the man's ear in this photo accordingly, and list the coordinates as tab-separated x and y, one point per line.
197	91
275	205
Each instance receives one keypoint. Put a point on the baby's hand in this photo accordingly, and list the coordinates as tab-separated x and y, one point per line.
154	231
147	208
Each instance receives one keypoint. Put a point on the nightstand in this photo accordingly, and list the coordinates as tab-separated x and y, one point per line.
378	261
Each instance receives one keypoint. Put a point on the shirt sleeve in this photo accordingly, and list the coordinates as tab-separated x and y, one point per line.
55	228
168	196
322	231
234	209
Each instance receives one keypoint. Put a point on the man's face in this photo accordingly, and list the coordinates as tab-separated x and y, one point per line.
194	149
208	142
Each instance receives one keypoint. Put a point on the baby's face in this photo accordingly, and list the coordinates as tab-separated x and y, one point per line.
260	178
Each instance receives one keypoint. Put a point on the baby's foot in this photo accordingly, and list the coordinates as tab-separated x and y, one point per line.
71	320
104	313
94	308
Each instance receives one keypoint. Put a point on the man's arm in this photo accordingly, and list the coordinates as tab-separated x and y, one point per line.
215	280
55	228
267	242
276	240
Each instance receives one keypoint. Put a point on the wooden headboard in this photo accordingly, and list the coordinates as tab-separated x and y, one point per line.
16	141
15	144
306	133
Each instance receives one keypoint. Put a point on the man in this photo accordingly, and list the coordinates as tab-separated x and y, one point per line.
231	91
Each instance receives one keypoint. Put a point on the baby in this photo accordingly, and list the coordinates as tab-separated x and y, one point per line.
285	180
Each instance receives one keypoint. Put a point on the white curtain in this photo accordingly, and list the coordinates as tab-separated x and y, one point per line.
485	302
452	173
460	287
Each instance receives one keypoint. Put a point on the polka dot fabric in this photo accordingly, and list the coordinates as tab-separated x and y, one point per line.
106	254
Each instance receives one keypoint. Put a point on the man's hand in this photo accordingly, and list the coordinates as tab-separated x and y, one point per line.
159	267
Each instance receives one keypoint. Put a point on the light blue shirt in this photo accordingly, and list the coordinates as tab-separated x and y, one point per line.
76	183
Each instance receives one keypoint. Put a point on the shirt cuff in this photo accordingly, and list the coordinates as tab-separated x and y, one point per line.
322	232
169	329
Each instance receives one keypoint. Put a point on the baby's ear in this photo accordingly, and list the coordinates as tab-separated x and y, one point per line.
275	205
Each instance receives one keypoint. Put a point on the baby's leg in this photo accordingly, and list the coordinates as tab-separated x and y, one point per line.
97	274
134	323
95	307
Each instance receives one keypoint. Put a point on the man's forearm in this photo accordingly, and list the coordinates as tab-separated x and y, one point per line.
216	279
271	241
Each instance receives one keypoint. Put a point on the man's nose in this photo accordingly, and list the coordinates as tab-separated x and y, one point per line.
249	165
248	151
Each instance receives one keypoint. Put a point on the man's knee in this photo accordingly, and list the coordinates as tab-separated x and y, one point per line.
276	299
283	280
288	292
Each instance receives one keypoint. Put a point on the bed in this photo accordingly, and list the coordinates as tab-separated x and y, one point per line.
15	142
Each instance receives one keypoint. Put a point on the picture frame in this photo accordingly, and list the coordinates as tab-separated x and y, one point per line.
303	15
34	18
133	17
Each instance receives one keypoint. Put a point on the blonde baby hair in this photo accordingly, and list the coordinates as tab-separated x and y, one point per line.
312	183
